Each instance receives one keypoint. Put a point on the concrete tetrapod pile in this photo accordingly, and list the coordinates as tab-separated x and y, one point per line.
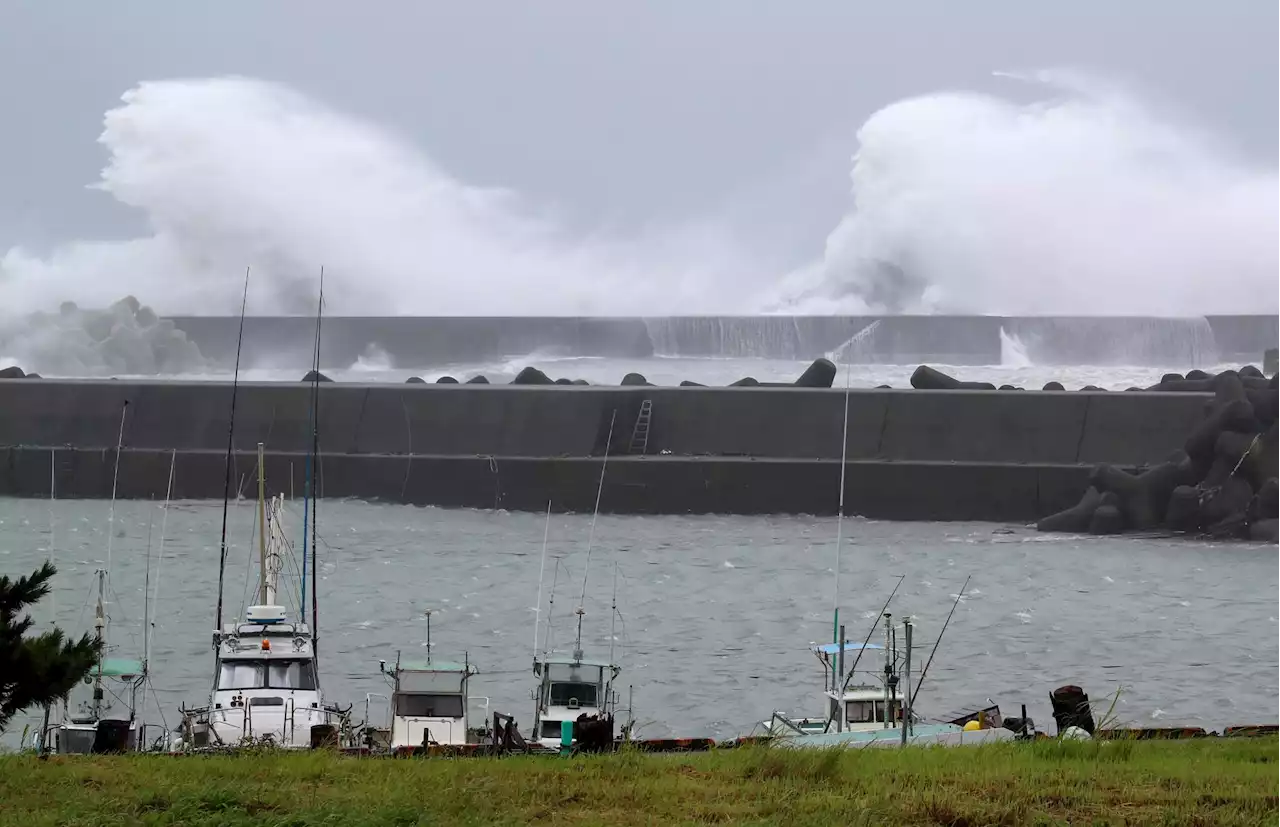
820	374
1221	484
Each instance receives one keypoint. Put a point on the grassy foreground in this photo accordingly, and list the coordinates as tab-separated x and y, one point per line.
1212	781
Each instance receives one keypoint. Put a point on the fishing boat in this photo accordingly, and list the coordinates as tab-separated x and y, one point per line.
574	691
266	687
430	704
577	692
878	712
881	713
108	720
864	704
575	704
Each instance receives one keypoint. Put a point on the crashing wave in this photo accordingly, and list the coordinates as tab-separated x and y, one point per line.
127	338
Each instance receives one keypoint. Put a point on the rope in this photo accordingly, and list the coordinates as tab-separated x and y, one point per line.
1207	493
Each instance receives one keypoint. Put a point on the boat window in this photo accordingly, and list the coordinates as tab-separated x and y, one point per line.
240	674
584	694
76	741
291	674
575	673
860	712
263	674
429	706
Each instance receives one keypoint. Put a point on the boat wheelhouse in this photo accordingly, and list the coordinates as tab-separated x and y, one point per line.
572	689
431	704
851	708
97	728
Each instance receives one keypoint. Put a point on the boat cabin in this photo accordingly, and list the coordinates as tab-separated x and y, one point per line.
569	689
429	703
266	686
265	661
866	706
101	731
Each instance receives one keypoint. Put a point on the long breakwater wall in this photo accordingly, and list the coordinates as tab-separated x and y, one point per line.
912	454
407	341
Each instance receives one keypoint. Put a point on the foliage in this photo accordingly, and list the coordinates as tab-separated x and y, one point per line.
41	669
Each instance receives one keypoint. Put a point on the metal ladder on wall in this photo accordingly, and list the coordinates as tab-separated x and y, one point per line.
640	434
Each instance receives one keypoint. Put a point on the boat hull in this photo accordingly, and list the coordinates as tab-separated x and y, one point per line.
921	735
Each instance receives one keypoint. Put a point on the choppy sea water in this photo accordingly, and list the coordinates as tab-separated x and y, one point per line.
715	614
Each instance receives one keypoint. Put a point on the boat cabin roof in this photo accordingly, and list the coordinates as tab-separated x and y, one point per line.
849	646
862	693
435	666
120	668
569	660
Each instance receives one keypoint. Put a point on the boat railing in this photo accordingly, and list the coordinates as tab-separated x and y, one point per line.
779	718
153	743
332	716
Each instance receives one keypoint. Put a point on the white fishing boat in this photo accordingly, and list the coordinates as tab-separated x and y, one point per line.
865	706
267	687
576	691
430	704
575	703
880	713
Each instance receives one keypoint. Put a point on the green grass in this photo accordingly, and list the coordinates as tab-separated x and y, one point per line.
1185	783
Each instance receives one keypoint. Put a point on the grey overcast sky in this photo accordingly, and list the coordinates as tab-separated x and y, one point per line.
626	116
618	111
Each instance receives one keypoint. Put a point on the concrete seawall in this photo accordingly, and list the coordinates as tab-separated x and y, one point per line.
957	340
913	454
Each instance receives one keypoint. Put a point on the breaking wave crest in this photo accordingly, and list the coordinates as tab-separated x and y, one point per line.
1084	203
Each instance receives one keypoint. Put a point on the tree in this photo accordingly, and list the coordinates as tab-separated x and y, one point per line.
39	670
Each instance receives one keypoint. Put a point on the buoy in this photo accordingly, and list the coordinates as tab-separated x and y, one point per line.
972	726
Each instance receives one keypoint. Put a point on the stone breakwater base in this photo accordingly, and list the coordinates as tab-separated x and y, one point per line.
912	454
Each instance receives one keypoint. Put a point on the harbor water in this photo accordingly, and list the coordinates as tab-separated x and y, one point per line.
715	615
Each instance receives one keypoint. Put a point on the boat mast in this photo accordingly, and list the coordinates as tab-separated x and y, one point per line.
591	534
226	480
835	597
309	466
551	605
428	614
164	530
53	546
263	600
888	666
115	478
907	696
315	489
613	614
146	597
53	597
100	637
542	571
